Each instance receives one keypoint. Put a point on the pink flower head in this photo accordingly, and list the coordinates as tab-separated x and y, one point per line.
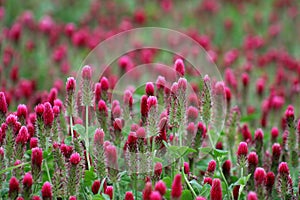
259	176
186	167
104	84
269	181
71	84
158	169
127	98
72	198
207	180
86	72
96	186
1	153
245	79
283	169
152	102
124	62
155	196
226	167
176	187
290	114
36	198
174	88
211	166
56	111
147	191
75	158
149	88
182	84
99	137
11	120
253	159
39	109
22	136
97	92
109	191
47	191
274	133
69	29
252	196
13	186
27	180
161	187
37	157
111	156
276	151
242	149
228	94
102	107
160	82
141	133
179	67
258	135
216	190
200	198
144	106
192	113
48	115
118	124
33	142
22	111
129	196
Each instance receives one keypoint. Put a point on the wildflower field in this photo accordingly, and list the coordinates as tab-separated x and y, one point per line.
153	100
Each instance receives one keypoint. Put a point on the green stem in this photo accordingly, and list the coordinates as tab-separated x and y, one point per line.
242	174
48	173
71	125
87	143
230	194
188	183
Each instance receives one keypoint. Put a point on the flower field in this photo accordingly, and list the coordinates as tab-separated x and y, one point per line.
153	100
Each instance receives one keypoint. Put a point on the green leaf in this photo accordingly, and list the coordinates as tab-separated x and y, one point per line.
156	160
68	140
105	197
219	153
13	167
196	186
89	177
167	180
181	151
79	129
186	195
205	191
91	131
205	150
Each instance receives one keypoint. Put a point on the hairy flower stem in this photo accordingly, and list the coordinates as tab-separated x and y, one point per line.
87	136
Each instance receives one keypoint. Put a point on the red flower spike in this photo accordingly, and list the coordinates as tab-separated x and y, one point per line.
47	191
176	187
147	191
86	72
33	142
48	115
161	187
3	103
37	157
141	133
269	182
96	186
22	136
158	169
242	149
99	137
152	102
75	158
274	133
179	67
27	180
200	198
160	83
207	180
149	88
102	107
109	191
216	190
22	111
129	196
104	84
186	167
252	196
211	166
259	176
111	156
72	198
253	160
36	198
192	113
71	84
226	168
155	196
13	187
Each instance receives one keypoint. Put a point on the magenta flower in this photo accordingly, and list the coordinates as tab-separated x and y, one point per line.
216	190
176	187
47	191
13	187
128	196
161	187
147	191
179	67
